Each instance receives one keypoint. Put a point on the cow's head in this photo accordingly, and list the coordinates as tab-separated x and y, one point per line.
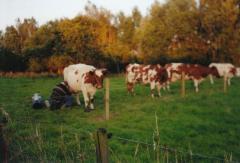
233	71
95	77
175	75
159	75
214	72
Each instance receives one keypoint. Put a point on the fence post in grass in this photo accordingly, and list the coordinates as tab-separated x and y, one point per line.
183	84
107	99
225	83
3	145
102	146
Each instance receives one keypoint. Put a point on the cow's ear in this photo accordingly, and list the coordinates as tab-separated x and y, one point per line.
104	71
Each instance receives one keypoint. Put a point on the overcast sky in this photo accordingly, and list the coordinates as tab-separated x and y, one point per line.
45	10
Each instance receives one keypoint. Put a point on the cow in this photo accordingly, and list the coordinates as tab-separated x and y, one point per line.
172	77
227	70
155	75
86	79
196	73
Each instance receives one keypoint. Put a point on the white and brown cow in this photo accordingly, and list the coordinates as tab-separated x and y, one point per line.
86	79
154	75
172	77
196	72
225	69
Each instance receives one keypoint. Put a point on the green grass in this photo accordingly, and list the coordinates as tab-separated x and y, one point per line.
207	122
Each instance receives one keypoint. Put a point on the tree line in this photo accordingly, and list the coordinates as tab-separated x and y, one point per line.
190	31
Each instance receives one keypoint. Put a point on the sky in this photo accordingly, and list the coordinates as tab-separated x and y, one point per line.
46	10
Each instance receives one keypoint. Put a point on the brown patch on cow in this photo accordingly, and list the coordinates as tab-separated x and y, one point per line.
162	75
130	87
195	71
93	79
233	70
76	72
214	72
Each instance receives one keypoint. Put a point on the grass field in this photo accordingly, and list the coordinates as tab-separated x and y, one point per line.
207	122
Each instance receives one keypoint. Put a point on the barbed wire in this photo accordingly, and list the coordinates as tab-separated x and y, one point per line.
164	147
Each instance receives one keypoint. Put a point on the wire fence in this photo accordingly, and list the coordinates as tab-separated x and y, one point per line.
23	145
174	150
36	139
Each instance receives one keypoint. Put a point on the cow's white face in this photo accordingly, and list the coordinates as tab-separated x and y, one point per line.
99	75
138	77
175	77
152	73
95	78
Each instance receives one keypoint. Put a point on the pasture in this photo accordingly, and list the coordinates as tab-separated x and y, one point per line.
207	122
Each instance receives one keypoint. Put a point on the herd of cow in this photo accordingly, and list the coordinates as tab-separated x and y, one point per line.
87	79
161	77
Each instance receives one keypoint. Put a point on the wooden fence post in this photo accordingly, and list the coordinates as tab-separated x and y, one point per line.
3	144
3	147
225	83
107	99
102	146
183	84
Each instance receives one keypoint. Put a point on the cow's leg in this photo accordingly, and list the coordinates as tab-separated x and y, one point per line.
229	81
164	87
130	88
159	86
196	85
168	86
211	79
86	100
152	87
91	97
77	99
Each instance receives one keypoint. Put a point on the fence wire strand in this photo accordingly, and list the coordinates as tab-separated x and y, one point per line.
163	147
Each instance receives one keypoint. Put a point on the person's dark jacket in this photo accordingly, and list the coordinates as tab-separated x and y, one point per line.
58	96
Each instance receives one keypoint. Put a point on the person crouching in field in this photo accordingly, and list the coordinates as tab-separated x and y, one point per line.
60	97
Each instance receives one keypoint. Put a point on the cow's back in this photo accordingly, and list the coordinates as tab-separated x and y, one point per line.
74	75
223	68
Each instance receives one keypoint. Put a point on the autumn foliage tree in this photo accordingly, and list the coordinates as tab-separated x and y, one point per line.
193	31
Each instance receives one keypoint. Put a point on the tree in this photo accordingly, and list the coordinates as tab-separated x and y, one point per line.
56	63
137	17
218	20
26	29
11	40
174	18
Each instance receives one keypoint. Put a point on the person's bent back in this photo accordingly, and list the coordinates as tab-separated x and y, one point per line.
61	96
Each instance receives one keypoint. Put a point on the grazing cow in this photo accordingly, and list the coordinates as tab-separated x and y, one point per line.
196	72
225	69
86	79
172	77
154	75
